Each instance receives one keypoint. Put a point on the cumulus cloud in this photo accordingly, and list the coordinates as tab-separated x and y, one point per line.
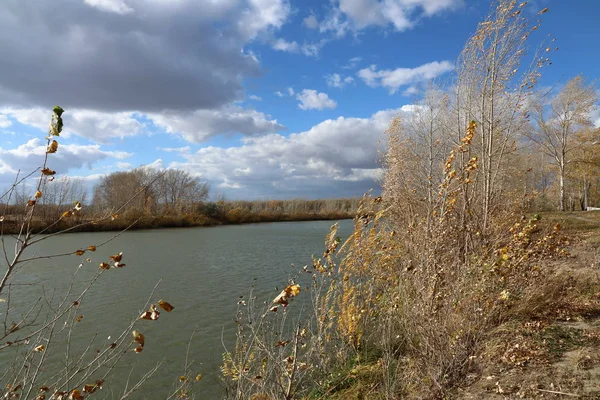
310	99
355	15
199	125
336	80
393	79
337	157
29	156
94	125
284	45
134	55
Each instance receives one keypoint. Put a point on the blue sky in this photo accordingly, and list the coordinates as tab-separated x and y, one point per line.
260	98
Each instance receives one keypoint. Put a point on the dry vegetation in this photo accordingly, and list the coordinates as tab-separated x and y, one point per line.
450	286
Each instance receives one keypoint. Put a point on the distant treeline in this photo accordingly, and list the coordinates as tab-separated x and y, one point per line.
155	199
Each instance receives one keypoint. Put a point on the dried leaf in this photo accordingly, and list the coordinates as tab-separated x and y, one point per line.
199	377
76	395
67	214
117	257
77	206
182	378
293	290
152	314
543	11
38	194
79	252
48	172
165	306
138	337
30	203
91	248
138	349
52	147
104	266
39	348
79	318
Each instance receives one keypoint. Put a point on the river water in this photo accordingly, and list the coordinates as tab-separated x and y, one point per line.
202	273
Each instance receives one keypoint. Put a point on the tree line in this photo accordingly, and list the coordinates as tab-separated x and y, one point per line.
160	198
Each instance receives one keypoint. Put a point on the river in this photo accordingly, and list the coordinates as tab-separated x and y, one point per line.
202	273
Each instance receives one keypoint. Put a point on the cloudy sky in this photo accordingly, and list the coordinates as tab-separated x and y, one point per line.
261	98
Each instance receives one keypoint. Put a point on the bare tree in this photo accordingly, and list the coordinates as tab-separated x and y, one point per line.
489	92
557	123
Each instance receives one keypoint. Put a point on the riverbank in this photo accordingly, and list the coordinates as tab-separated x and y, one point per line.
86	224
547	347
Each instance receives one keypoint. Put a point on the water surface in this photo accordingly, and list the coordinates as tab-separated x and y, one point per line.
202	272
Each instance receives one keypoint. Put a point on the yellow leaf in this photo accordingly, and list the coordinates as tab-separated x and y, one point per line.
38	194
165	306
91	248
182	378
67	214
52	147
293	290
199	377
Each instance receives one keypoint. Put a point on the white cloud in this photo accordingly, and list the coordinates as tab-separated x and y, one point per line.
199	125
255	98
336	80
29	156
116	6
290	91
310	99
279	94
123	165
311	22
337	157
95	125
393	79
312	49
352	62
355	15
308	49
184	149
262	15
283	45
4	122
